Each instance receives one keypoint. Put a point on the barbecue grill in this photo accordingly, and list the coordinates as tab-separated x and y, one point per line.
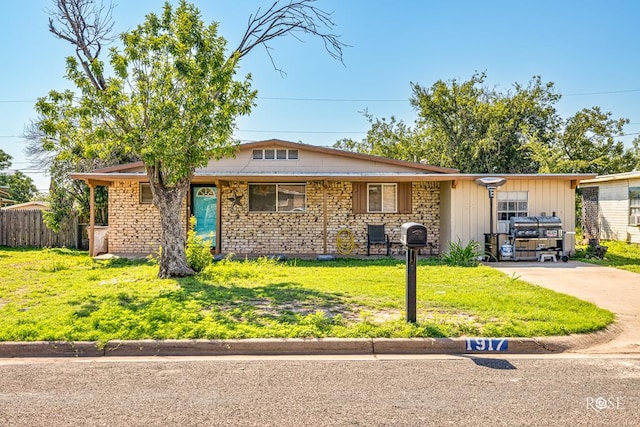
545	231
544	227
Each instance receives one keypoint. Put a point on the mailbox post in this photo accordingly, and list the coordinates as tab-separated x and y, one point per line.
413	236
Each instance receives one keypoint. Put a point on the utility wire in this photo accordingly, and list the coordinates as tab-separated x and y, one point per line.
278	98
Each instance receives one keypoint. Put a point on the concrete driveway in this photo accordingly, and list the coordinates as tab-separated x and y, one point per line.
609	288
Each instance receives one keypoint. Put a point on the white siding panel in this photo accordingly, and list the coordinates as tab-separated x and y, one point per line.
470	207
614	210
307	162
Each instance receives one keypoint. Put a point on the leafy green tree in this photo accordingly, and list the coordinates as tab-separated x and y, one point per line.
477	129
387	138
21	186
172	100
586	143
5	160
68	197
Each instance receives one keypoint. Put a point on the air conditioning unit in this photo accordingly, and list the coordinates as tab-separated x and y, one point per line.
634	219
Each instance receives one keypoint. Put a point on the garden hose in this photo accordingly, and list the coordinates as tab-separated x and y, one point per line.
344	242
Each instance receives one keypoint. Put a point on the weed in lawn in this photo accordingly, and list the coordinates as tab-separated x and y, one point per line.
462	256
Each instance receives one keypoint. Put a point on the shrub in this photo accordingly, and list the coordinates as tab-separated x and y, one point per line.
462	256
198	249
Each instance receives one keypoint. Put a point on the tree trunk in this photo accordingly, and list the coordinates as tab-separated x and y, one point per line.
173	257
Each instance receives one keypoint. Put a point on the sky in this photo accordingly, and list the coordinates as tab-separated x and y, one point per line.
589	49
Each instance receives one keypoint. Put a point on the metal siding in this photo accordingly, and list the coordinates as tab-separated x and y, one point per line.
470	207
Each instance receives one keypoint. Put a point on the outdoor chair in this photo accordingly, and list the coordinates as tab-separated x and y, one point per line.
377	236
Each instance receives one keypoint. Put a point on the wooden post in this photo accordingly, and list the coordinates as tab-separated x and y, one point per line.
324	214
92	219
218	216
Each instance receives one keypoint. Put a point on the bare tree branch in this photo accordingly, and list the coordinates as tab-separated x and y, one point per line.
295	18
88	26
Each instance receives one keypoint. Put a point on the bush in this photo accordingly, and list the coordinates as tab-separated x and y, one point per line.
198	249
462	256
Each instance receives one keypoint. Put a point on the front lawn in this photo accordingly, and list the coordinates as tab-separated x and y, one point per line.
622	255
59	294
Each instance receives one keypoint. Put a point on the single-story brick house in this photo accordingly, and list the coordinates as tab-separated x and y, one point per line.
281	197
611	207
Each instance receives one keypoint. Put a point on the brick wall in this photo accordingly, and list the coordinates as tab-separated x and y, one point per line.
135	227
245	232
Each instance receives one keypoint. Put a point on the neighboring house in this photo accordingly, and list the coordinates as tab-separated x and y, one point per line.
4	197
39	205
611	207
280	197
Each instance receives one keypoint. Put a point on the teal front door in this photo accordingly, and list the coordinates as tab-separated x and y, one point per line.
205	204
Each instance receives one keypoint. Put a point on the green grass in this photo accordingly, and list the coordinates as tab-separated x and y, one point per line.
622	255
58	294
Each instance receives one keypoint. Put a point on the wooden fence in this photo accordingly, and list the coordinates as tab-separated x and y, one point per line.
22	228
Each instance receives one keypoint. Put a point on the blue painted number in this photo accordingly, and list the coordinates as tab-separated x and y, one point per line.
487	344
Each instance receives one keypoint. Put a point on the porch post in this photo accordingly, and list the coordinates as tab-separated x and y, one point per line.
218	216
92	219
324	214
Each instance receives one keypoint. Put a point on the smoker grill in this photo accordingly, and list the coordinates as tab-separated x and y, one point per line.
544	227
545	231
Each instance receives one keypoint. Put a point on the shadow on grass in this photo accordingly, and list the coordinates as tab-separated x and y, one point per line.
274	300
359	262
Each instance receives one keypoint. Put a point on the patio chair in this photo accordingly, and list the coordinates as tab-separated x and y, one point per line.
377	236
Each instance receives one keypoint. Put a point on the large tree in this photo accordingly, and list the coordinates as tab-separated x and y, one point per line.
478	129
173	97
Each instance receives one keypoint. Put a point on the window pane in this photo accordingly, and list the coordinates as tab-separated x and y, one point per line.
269	154
262	197
281	154
257	154
146	196
389	198
522	206
293	154
291	198
375	198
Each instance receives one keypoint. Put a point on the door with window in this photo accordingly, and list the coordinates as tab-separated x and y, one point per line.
204	208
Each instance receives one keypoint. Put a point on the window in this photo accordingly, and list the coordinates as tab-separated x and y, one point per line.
634	205
382	198
510	204
146	197
274	154
277	197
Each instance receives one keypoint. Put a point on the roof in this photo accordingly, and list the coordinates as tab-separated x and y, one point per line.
385	169
28	205
613	177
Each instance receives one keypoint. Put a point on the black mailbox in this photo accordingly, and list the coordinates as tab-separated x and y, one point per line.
413	235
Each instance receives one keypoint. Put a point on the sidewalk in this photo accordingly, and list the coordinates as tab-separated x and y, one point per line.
609	288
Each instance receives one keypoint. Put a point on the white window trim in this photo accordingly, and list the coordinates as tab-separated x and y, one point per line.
278	184
288	156
503	225
395	201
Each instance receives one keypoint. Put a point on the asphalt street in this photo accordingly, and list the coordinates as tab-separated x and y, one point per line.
427	390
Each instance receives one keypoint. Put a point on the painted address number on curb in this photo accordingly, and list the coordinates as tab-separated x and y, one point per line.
487	344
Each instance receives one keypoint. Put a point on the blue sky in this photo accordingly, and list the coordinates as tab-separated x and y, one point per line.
589	49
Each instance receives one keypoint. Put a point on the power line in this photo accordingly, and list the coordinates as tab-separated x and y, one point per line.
279	98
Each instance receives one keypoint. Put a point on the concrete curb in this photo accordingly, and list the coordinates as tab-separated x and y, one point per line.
271	347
